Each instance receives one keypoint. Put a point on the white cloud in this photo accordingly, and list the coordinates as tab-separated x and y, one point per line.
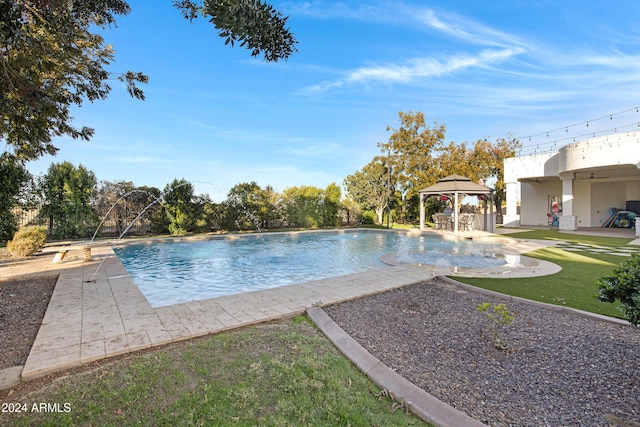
414	69
467	30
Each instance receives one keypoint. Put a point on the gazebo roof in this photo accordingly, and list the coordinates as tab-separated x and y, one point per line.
455	184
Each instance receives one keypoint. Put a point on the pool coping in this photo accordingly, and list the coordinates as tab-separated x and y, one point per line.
109	316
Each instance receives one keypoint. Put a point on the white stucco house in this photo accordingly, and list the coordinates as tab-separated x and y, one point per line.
575	186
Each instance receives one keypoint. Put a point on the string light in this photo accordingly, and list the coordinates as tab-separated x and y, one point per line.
610	116
551	143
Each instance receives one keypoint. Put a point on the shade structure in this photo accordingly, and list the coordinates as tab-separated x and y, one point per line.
453	186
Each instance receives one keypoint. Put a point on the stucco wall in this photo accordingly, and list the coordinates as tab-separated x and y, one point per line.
616	149
633	190
537	196
582	203
608	195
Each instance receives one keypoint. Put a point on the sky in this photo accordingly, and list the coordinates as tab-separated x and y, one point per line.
544	71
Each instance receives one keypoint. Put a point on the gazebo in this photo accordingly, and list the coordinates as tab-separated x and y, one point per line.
454	186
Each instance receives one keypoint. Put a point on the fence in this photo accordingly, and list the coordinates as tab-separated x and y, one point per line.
110	227
26	216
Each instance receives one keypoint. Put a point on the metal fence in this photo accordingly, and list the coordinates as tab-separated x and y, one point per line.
109	228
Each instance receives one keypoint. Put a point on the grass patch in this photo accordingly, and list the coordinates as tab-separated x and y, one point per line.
543	234
574	286
280	374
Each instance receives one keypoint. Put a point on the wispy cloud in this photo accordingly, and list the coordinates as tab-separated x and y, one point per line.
365	11
139	159
467	30
498	46
416	68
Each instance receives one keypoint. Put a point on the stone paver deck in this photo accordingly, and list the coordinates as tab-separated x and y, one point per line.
91	320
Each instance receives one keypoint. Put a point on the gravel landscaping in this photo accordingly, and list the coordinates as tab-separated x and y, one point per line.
559	369
23	304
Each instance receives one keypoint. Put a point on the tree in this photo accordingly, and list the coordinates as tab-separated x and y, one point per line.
205	212
490	157
250	206
254	23
370	187
119	204
68	192
13	180
419	158
332	195
178	198
304	206
351	209
411	150
50	60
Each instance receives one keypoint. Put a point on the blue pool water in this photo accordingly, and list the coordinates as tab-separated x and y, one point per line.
170	272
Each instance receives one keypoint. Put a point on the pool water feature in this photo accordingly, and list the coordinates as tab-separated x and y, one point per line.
171	272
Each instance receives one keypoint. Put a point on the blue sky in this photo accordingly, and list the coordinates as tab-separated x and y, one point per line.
217	117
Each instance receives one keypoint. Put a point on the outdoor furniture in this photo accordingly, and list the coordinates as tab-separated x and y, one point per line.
465	222
442	221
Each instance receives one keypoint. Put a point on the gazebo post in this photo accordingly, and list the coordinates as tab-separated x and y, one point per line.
455	212
491	224
484	212
422	211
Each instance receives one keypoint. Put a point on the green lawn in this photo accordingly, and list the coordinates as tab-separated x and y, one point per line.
545	234
280	374
574	286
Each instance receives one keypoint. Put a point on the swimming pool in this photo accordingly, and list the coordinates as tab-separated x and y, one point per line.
170	272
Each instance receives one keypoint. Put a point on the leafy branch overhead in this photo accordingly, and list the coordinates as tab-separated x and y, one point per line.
49	61
253	24
52	58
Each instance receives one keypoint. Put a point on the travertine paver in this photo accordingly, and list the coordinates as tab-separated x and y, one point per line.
96	311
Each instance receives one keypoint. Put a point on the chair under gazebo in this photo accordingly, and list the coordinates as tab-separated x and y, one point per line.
453	187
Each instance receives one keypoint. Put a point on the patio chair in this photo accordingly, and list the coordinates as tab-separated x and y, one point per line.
441	222
465	222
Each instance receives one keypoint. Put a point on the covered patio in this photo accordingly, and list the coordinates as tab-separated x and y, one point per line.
456	187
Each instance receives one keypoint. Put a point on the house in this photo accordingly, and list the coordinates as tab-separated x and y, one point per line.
576	186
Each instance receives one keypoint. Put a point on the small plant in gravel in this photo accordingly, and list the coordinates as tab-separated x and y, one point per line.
27	241
623	284
497	315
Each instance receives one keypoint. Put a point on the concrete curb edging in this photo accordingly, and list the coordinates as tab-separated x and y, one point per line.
559	308
418	401
10	377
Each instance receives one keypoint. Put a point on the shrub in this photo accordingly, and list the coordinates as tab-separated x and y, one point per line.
27	240
623	284
368	217
500	316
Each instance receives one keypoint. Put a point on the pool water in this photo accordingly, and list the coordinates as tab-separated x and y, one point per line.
170	272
